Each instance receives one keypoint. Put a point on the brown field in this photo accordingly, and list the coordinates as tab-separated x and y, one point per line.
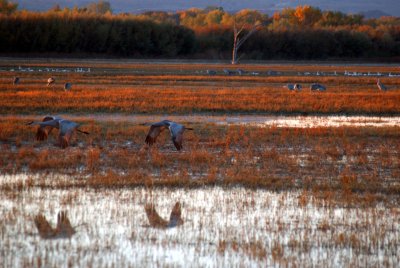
186	88
252	194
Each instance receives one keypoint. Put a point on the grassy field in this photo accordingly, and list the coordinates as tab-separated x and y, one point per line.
252	194
186	88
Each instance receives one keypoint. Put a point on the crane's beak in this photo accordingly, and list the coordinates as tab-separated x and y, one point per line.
29	123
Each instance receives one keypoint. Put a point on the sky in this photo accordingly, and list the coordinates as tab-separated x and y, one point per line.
390	7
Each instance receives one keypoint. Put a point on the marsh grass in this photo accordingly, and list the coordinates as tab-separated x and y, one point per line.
185	88
342	163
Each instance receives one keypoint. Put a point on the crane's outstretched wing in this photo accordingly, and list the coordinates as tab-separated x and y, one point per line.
45	127
154	219
177	134
157	222
64	228
44	131
175	217
43	226
155	130
66	130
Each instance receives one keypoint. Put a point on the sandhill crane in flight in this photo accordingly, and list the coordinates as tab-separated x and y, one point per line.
175	129
50	81
156	221
43	131
67	86
381	86
63	229
16	81
318	87
66	129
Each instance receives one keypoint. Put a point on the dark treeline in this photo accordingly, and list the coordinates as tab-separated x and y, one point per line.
302	44
40	33
301	33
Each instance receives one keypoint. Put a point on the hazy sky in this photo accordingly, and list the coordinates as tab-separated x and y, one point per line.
391	7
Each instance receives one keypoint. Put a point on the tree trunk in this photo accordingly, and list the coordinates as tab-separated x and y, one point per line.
234	53
238	42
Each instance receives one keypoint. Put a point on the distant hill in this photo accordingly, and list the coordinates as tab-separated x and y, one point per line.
370	8
374	14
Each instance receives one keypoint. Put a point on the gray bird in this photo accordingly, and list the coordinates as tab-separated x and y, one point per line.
66	129
16	81
176	130
293	87
241	71
381	86
211	72
318	87
67	86
229	72
50	81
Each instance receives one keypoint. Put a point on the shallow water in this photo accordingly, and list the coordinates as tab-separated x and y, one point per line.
223	227
255	120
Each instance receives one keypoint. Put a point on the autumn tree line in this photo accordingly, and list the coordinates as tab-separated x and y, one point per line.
304	32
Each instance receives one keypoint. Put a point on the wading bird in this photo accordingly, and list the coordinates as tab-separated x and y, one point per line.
175	129
229	72
156	221
381	86
241	71
67	86
66	129
62	230
318	87
50	81
293	87
43	131
211	72
16	81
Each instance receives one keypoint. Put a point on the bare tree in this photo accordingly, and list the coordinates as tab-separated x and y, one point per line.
239	37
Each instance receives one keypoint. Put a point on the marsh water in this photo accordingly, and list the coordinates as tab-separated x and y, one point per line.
234	227
223	227
308	121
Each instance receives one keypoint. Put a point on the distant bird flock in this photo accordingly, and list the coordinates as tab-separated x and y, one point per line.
240	72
